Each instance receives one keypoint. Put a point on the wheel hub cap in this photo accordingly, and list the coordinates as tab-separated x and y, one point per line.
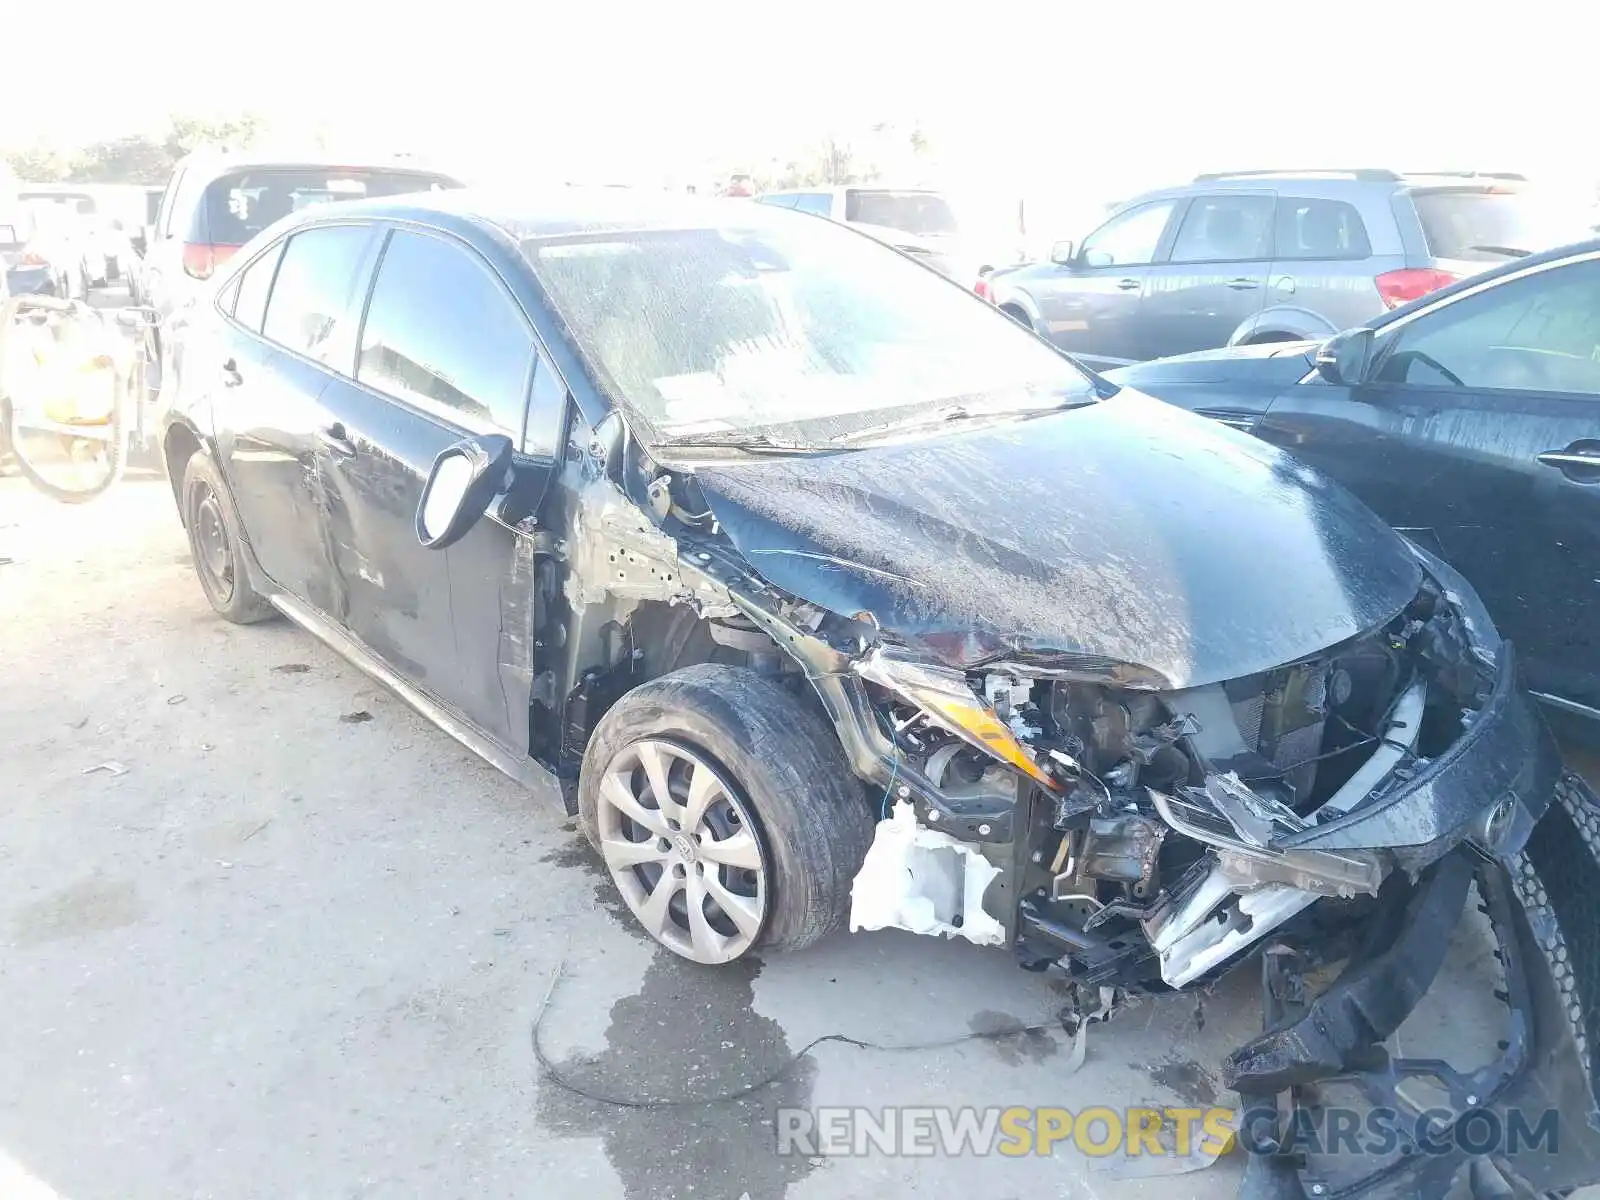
683	851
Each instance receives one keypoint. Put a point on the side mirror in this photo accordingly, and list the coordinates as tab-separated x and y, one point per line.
137	316
464	478
1343	358
1061	253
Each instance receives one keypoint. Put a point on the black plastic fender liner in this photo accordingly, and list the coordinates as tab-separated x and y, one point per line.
1409	939
1556	881
1554	888
1544	906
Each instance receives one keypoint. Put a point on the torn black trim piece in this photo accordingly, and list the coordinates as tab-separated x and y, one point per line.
1508	751
1409	938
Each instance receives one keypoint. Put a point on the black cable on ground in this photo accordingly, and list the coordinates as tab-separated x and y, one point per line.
553	1073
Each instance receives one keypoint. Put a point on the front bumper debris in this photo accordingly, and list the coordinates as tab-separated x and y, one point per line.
1507	753
1326	1056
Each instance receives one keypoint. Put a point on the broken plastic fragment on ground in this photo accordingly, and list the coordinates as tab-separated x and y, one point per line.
924	881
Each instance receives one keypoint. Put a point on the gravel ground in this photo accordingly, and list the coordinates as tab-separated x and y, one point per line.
296	947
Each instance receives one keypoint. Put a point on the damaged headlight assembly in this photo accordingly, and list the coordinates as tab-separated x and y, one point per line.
947	698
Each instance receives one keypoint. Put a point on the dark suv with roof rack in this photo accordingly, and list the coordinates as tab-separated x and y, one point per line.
1261	256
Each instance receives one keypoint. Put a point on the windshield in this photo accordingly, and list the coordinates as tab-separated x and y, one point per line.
1481	226
913	212
777	318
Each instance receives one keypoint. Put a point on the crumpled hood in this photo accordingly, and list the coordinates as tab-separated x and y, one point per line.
1127	530
1270	363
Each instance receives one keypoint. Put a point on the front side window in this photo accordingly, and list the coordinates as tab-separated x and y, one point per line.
255	282
443	333
1129	239
1537	333
1329	229
772	318
313	307
1227	228
817	203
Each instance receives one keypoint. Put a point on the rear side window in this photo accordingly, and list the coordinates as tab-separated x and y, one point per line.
242	203
1310	228
443	333
1485	226
313	307
778	201
1227	228
254	284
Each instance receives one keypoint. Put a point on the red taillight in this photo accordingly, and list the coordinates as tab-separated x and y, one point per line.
200	260
983	290
30	259
1400	287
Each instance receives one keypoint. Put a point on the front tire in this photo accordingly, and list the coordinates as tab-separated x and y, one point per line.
215	545
725	812
1017	315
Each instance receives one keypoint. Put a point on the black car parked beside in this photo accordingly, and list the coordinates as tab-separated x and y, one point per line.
826	590
1470	420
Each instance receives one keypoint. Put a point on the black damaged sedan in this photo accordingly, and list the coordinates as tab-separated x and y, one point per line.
828	593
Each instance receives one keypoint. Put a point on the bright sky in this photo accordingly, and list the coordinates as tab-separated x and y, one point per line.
1077	97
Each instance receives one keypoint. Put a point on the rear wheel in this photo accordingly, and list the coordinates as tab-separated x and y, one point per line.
726	813
214	543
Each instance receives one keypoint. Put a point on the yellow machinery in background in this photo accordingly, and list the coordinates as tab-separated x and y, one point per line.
68	378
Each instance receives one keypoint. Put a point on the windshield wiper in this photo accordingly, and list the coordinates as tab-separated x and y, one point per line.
736	439
957	412
1508	251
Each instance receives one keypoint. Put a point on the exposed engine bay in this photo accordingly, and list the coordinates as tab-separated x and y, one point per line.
1157	841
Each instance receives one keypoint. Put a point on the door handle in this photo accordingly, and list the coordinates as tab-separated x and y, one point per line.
1243	285
1579	462
1128	285
336	439
230	374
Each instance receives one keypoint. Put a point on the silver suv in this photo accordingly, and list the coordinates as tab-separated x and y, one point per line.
1265	256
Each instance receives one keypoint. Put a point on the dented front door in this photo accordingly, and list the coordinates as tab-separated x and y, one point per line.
445	353
387	589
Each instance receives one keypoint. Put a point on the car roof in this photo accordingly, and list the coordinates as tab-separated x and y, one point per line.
552	212
848	187
221	162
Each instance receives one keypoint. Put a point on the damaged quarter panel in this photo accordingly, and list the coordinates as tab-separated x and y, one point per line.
1124	531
